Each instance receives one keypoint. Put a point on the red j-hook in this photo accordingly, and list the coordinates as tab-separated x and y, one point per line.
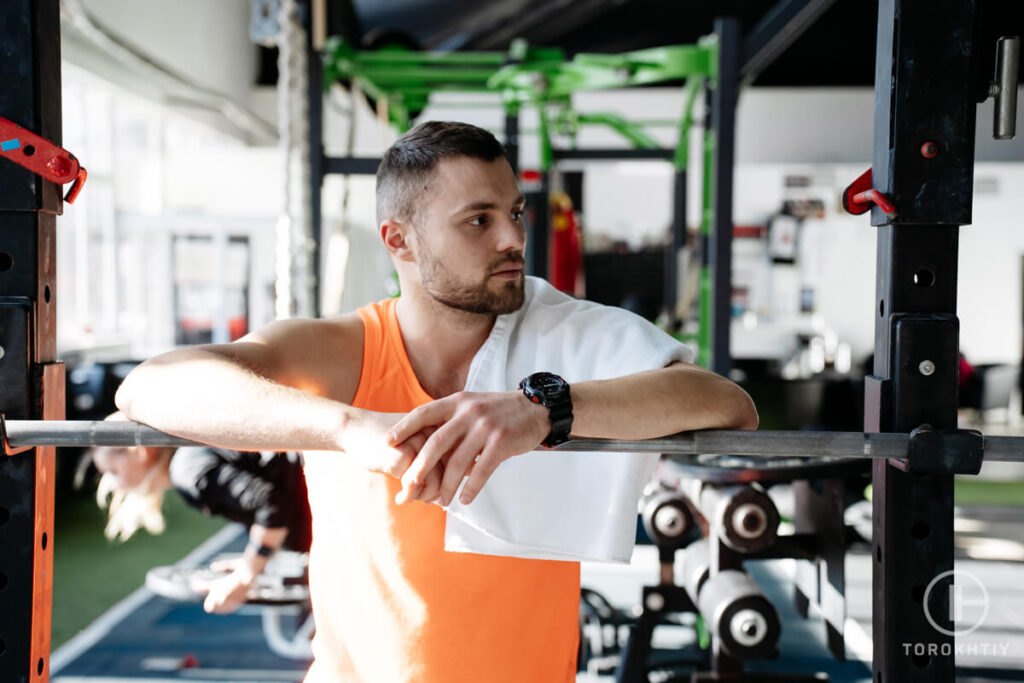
42	157
859	197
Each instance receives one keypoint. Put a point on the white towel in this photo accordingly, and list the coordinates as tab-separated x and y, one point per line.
557	505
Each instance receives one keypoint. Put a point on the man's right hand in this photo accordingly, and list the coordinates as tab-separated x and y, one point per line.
363	439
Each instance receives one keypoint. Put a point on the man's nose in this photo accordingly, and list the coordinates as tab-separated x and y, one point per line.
512	235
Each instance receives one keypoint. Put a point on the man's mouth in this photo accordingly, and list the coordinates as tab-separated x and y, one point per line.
509	272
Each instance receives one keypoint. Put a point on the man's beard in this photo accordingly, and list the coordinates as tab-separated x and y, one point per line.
482	298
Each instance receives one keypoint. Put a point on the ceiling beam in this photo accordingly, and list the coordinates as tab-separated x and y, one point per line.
343	20
494	26
480	21
575	16
776	32
563	15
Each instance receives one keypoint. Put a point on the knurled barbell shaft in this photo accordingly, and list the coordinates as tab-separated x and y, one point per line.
789	444
771	443
22	433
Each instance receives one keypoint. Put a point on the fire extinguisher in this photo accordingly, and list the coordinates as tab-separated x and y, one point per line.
566	255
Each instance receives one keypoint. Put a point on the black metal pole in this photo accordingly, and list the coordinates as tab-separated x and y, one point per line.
572	182
923	94
537	231
778	29
723	122
31	383
314	85
512	140
536	201
350	165
642	154
677	240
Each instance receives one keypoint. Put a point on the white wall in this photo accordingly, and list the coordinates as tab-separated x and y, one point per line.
827	135
207	42
838	254
991	253
779	130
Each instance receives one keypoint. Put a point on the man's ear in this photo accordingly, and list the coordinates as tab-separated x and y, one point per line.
396	238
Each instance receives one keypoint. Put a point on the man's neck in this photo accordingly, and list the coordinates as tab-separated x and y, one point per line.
440	341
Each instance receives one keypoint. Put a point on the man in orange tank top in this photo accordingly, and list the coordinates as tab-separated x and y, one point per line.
375	399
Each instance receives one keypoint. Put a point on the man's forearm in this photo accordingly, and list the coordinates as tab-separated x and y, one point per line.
261	536
481	430
658	403
202	395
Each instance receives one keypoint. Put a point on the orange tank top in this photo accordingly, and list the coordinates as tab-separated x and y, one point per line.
390	605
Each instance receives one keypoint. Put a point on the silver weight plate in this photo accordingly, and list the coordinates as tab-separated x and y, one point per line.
742	469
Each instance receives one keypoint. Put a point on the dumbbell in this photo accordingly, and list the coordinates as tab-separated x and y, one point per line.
739	615
695	566
667	518
746	518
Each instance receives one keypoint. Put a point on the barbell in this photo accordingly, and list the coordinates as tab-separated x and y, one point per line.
768	444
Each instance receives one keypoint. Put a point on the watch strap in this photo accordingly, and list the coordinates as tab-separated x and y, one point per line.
261	550
558	401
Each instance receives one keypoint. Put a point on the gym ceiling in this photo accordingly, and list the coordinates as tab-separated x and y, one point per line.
837	50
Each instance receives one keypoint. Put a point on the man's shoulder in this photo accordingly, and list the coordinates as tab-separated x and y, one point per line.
300	331
344	324
284	347
607	330
323	356
543	298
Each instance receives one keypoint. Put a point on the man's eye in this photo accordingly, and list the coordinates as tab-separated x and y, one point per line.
517	215
478	220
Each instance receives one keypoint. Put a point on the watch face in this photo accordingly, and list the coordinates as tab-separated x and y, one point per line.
553	392
551	384
547	383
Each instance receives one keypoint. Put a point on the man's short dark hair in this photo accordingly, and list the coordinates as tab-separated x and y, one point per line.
405	170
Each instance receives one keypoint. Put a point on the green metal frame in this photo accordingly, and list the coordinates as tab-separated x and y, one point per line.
526	76
571	120
547	79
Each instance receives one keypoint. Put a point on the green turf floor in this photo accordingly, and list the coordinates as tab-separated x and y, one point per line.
971	491
91	574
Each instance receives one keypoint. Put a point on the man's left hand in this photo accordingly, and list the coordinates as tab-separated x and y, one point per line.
227	592
478	431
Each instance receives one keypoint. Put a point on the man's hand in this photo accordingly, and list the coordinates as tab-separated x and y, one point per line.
228	592
364	440
475	432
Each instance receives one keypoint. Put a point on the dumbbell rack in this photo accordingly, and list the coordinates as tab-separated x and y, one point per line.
720	507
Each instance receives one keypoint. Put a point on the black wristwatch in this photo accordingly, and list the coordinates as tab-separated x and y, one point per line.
552	392
261	550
